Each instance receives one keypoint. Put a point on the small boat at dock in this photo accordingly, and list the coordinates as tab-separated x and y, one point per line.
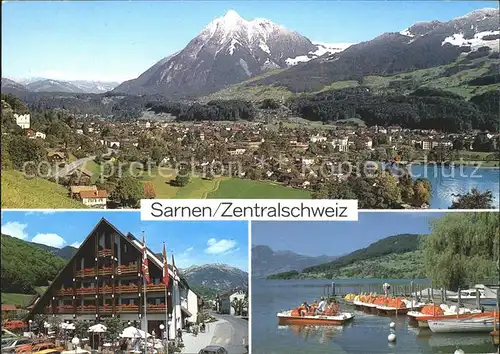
290	318
475	322
429	312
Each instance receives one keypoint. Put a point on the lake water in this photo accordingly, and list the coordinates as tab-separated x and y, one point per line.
365	334
447	181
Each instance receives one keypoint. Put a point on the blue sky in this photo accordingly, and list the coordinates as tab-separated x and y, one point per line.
119	40
339	237
193	243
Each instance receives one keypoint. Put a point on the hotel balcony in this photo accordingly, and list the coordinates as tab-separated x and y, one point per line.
130	308
91	272
104	253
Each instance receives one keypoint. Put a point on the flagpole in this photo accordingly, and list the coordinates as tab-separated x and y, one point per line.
144	265
174	298
145	318
166	282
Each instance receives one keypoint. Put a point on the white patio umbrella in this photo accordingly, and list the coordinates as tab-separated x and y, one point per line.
98	328
67	326
132	332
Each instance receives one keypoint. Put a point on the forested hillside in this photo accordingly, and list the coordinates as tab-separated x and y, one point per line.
394	256
25	265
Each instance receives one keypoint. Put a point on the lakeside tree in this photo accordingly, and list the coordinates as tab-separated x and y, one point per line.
128	192
462	249
473	200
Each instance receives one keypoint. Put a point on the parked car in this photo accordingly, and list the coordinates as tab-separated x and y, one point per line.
213	349
13	344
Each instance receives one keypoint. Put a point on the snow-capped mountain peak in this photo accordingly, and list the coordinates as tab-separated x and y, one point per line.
228	50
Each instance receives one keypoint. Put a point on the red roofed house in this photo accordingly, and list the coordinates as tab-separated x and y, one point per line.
94	199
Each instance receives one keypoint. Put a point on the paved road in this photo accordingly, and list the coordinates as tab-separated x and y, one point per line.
69	168
72	166
231	333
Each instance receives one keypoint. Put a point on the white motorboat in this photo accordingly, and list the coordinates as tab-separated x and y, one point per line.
481	322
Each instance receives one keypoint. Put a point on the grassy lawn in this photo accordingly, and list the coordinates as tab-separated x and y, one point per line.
20	300
19	192
95	168
221	187
247	189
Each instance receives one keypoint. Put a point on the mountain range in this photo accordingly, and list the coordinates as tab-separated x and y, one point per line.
219	277
49	85
265	261
228	50
398	256
235	58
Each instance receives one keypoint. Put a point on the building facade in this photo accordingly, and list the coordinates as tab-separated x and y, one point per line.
23	120
104	279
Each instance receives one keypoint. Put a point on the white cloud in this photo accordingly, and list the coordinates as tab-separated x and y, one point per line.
76	244
40	212
53	240
183	259
220	247
15	229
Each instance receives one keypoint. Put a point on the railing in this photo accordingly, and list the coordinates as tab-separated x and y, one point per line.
106	308
131	288
90	272
128	308
127	269
86	291
88	308
65	309
156	287
105	271
156	308
87	272
104	252
64	292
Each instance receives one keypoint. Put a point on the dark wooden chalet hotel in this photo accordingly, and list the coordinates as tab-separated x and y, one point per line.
104	279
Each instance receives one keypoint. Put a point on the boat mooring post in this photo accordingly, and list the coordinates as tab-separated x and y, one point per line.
459	300
333	288
411	294
428	294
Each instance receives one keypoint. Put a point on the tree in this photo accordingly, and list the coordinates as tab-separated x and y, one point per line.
181	180
149	190
473	200
39	320
114	327
421	194
462	249
238	305
81	328
128	192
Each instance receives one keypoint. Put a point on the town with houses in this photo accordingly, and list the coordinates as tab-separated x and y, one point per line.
281	152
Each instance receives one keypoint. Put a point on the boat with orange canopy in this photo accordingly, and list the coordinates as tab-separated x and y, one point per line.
330	317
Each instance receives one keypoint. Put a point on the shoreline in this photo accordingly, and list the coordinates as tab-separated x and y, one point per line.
451	165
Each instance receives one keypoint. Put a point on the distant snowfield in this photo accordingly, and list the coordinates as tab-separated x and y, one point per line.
458	39
322	49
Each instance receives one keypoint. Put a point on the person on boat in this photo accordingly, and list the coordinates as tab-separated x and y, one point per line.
304	308
321	306
314	306
386	287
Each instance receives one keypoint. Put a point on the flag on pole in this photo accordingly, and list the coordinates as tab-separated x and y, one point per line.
174	268
166	277
145	267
